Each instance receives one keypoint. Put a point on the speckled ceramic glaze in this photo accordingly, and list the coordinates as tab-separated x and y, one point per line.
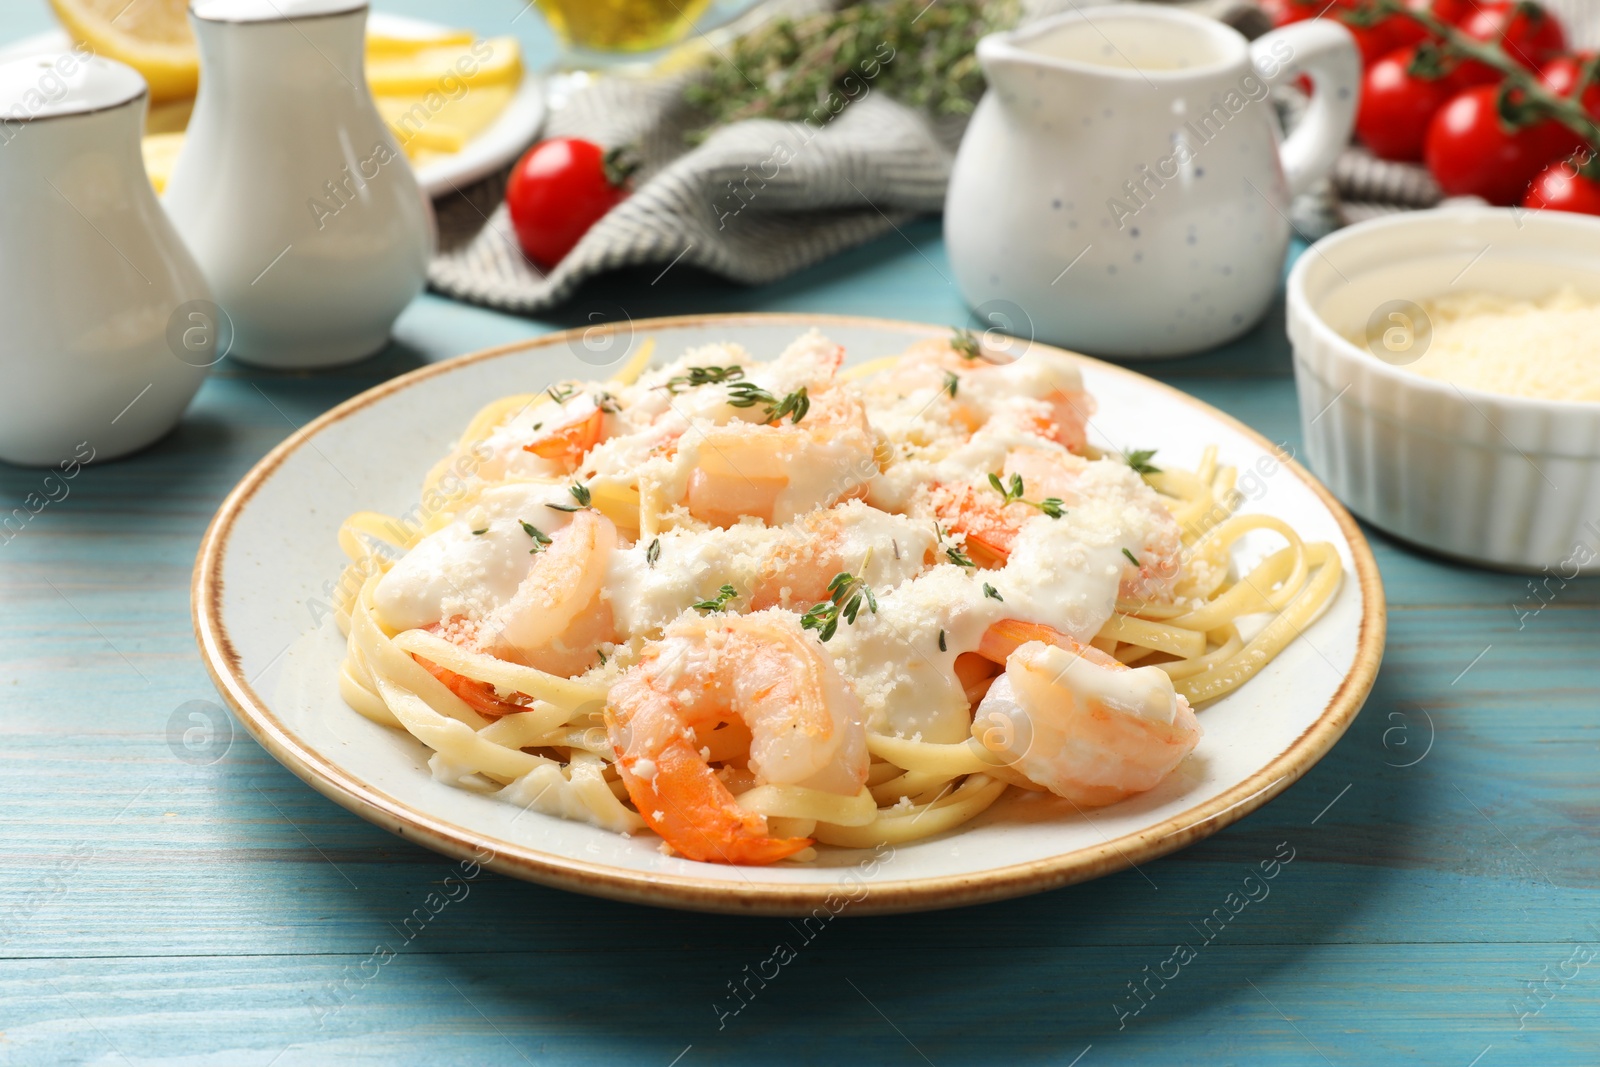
1121	189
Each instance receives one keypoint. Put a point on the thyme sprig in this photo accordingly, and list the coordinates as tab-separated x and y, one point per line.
580	493
540	538
749	394
965	344
697	376
1051	506
1139	459
718	602
808	69
846	594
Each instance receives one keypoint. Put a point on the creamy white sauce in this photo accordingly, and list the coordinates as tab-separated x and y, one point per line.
691	566
1062	573
456	571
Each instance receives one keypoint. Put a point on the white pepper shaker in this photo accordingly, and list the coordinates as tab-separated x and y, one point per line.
291	192
99	354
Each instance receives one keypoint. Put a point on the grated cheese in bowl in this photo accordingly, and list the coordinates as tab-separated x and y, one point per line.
1547	349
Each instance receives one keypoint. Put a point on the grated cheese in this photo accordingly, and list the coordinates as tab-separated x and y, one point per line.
1547	349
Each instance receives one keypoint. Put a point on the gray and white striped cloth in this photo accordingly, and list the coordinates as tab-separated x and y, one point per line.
761	199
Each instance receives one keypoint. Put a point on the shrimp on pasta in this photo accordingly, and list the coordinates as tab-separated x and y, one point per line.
749	610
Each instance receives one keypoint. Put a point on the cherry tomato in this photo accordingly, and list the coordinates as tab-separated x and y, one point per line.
1470	152
1529	34
1283	12
1560	187
559	189
1379	39
1561	74
1397	106
1454	12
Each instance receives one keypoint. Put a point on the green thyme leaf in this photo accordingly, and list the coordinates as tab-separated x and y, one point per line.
1139	460
805	68
965	343
991	592
1131	557
846	595
653	553
941	642
951	383
480	533
749	394
561	393
718	602
540	539
958	557
697	376
1012	494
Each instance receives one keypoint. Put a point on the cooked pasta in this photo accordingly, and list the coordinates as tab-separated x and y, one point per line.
758	607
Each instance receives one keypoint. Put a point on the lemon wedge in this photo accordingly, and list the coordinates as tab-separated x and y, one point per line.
151	36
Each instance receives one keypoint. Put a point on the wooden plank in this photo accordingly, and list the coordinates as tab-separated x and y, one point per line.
958	997
154	910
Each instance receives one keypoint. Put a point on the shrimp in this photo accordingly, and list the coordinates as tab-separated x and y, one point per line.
1074	720
557	615
981	386
779	471
568	443
800	564
991	524
761	671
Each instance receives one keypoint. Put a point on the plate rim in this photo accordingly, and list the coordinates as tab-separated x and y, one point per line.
688	892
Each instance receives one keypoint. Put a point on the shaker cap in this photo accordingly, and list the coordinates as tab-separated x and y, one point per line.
271	10
56	84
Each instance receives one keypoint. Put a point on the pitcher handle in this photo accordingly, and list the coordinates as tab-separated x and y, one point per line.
1324	51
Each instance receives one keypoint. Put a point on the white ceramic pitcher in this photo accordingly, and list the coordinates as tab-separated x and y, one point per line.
290	190
99	354
1122	182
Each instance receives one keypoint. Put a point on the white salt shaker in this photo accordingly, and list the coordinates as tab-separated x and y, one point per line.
106	327
294	197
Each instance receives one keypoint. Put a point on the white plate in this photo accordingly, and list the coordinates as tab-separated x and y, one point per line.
499	144
268	563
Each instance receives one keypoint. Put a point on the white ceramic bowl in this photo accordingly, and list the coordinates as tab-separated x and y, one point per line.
1498	480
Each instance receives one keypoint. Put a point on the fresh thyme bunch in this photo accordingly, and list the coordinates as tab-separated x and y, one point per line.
921	54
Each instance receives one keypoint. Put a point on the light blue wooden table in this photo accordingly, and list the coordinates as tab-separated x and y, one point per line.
1442	907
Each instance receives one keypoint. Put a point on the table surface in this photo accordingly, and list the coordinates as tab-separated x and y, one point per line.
1441	908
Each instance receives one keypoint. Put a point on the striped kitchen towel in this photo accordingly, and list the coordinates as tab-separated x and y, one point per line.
755	201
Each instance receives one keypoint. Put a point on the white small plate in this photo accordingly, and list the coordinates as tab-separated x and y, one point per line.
269	563
505	138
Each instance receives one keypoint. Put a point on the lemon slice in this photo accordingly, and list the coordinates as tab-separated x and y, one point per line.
151	36
444	69
434	123
387	44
